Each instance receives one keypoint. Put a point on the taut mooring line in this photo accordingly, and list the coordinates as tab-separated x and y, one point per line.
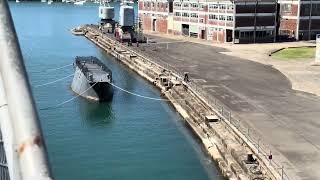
69	100
59	67
53	69
40	85
139	95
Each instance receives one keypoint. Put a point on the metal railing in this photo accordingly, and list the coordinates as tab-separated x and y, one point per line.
257	145
261	149
23	139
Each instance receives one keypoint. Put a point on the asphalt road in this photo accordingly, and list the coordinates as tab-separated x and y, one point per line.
258	94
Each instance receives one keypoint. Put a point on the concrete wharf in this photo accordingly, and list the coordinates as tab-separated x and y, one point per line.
218	80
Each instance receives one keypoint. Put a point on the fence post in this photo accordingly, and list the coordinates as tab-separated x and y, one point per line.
270	158
222	111
258	146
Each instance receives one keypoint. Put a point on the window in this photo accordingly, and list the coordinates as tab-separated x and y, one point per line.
185	14
185	5
222	17
152	4
177	14
222	6
194	5
201	6
286	8
194	15
230	7
213	16
213	6
177	4
229	18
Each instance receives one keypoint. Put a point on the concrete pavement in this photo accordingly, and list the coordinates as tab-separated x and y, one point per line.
256	93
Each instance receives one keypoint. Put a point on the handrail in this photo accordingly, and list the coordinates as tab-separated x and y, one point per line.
225	114
28	138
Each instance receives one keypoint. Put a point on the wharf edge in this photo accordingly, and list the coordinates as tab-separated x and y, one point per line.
227	146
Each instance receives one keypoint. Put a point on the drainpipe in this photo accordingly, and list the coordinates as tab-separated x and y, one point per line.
275	22
255	22
311	5
298	21
234	21
22	112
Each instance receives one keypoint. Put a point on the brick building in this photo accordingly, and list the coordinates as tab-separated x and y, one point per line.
155	14
299	19
237	21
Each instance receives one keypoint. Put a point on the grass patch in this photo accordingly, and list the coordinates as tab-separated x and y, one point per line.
301	53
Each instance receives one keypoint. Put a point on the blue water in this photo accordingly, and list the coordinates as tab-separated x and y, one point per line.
129	138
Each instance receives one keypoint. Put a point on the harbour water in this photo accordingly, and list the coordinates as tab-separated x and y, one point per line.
129	138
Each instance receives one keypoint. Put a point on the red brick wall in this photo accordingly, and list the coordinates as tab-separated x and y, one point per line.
221	36
218	36
213	22
221	23
290	24
140	5
215	36
293	12
162	7
162	25
146	22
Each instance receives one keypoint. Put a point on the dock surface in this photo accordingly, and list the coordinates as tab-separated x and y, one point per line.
255	93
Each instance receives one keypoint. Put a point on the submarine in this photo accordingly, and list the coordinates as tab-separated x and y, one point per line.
92	79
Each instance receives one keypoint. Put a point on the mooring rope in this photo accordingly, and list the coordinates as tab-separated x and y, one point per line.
139	95
53	69
40	85
69	100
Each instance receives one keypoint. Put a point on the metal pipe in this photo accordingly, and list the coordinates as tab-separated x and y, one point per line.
8	138
23	116
310	19
276	22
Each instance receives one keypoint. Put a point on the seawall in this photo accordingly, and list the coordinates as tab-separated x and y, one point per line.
227	147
